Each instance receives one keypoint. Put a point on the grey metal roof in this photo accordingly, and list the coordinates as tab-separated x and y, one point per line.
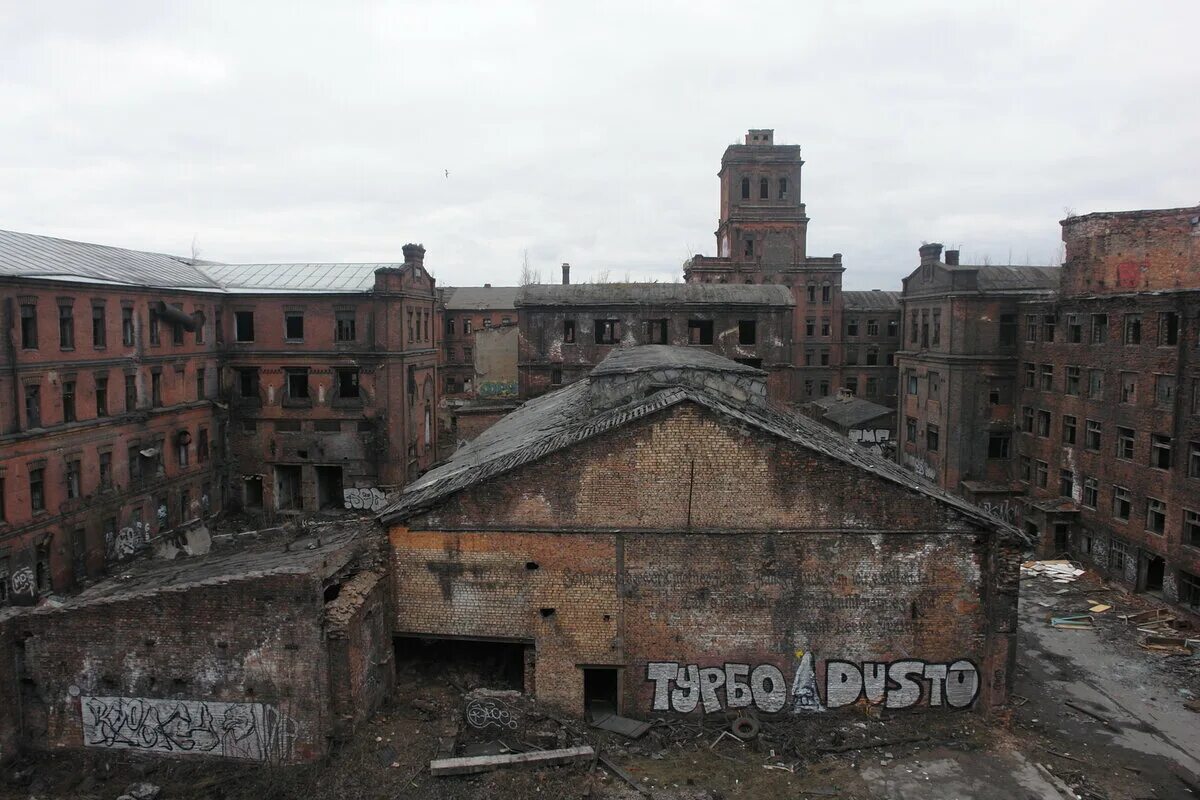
654	294
1012	277
874	300
561	419
479	298
296	277
29	256
658	356
847	411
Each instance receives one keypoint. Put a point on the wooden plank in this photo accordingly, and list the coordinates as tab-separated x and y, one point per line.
541	758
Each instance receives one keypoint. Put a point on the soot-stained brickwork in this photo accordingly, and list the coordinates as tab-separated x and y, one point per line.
711	562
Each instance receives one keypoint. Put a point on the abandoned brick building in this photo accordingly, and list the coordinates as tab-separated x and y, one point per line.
657	537
839	339
566	330
263	650
958	368
1108	452
144	393
1067	401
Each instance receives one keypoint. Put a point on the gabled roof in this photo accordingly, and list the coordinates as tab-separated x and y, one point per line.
993	278
479	298
296	277
28	256
564	418
874	300
848	411
654	294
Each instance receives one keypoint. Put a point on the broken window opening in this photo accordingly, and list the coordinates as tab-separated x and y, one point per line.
700	331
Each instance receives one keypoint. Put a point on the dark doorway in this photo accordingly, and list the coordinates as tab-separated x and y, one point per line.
329	488
1061	529
470	663
252	492
288	491
1155	569
600	690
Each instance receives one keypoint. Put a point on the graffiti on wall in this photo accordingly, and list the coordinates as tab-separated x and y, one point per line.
490	712
1000	509
22	581
896	685
364	499
249	731
873	440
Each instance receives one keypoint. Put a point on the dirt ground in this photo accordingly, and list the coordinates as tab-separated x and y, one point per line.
1130	732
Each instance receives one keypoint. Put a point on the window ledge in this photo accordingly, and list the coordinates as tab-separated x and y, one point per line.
297	402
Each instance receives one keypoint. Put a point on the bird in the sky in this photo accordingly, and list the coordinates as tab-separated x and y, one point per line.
447	173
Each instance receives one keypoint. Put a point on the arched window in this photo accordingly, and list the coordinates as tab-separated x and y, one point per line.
764	189
745	188
783	188
749	250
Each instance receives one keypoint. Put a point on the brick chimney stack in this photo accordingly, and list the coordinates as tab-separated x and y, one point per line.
930	253
952	258
566	274
414	255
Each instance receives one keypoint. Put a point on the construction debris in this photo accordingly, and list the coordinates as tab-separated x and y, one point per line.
1176	644
1060	571
629	728
1075	622
539	758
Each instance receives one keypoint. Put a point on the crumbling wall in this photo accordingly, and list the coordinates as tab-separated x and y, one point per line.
10	721
1132	251
233	669
361	669
683	548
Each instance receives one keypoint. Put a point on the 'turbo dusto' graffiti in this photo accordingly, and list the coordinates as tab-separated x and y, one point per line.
895	685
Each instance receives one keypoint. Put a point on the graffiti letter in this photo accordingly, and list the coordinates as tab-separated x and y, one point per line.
662	673
874	680
843	683
685	697
804	687
936	675
770	692
737	691
962	684
907	691
711	679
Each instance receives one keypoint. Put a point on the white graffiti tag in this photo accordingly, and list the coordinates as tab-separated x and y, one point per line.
365	499
128	541
488	713
250	731
22	581
895	685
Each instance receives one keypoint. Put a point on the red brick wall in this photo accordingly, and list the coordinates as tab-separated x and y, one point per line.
1132	251
252	642
860	570
360	649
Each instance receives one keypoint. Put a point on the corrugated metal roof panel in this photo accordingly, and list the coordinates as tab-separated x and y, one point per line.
31	256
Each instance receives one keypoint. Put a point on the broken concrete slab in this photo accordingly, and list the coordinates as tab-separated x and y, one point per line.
629	728
540	758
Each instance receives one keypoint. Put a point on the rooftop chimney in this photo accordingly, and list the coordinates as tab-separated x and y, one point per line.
414	255
930	253
566	274
952	258
487	286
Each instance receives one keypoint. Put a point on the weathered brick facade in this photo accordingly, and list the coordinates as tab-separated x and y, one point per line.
688	538
1116	402
143	394
762	237
231	655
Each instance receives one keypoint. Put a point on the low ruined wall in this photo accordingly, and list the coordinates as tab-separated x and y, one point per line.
362	673
235	670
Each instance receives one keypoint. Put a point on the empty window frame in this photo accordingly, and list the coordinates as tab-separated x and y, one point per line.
1074	376
1066	483
248	383
1126	443
1047	377
1096	384
1069	425
243	326
747	331
654	331
1168	329
606	331
1048	325
68	401
29	326
1133	329
99	323
1156	515
296	387
1008	330
569	331
66	326
1160	451
1093	434
1091	492
931	437
348	386
345	328
1043	423
700	331
1122	503
1074	329
101	395
1129	382
1099	328
764	189
293	326
1164	390
999	444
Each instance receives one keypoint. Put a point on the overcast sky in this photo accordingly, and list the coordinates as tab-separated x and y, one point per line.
587	132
